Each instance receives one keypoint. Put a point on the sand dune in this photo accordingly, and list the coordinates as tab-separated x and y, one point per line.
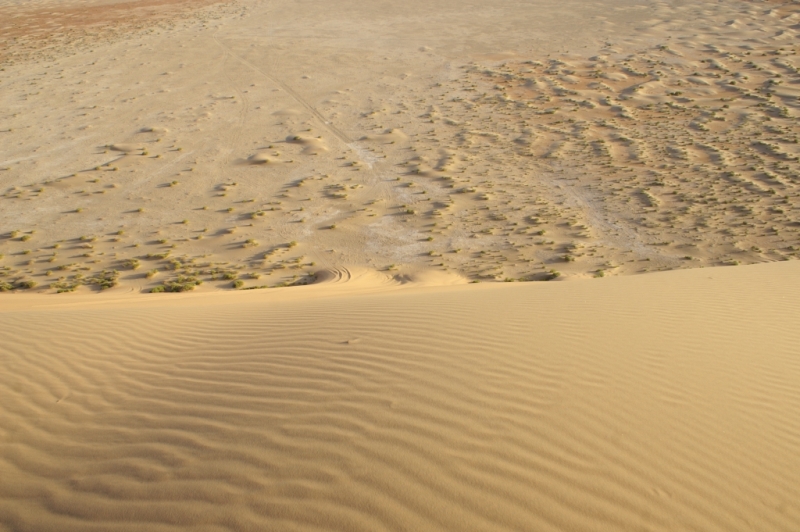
357	201
660	402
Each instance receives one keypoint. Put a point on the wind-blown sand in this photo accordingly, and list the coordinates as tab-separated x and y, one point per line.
662	402
326	178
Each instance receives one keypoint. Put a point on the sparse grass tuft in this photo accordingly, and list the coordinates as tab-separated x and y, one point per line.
182	283
553	274
158	256
105	279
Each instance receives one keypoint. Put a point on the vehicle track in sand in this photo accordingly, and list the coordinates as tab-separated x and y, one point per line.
375	181
338	133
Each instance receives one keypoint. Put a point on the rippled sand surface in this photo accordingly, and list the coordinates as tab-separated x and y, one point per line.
662	402
369	209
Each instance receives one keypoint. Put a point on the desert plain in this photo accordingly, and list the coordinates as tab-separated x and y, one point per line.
442	265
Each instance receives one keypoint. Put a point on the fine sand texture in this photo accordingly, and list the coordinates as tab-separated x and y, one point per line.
662	402
357	201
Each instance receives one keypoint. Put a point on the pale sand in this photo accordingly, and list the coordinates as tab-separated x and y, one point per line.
390	153
490	141
662	402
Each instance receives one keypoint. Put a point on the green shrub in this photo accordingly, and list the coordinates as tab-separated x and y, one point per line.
182	283
105	279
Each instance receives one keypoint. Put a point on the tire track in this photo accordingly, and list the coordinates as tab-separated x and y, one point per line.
302	101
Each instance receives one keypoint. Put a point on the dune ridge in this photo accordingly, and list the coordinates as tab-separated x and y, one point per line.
658	402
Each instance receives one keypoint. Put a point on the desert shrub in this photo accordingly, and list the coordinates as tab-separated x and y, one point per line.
553	274
63	286
182	283
105	279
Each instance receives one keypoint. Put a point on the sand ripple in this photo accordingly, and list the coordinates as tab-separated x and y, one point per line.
662	402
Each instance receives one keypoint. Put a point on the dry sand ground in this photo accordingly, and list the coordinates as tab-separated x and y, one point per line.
387	152
265	142
663	402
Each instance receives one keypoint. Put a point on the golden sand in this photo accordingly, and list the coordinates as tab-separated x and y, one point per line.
326	182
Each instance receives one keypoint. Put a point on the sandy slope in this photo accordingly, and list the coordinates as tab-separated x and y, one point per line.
390	152
663	402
